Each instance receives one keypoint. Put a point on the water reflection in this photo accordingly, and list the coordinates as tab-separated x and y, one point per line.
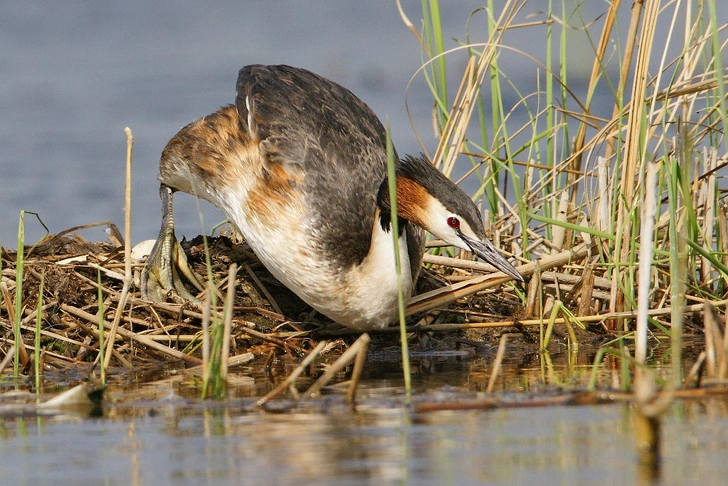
162	433
380	443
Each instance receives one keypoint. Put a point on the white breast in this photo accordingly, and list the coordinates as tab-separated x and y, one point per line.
363	297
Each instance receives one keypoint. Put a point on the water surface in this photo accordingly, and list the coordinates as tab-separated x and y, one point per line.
173	441
163	433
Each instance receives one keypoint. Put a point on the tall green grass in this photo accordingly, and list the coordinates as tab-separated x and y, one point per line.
392	180
564	161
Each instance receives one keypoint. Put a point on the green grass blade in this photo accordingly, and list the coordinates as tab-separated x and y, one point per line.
392	179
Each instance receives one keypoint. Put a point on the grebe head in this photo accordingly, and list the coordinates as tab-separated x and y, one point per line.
432	201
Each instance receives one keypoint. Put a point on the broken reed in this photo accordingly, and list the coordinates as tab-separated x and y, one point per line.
557	168
19	264
100	313
38	325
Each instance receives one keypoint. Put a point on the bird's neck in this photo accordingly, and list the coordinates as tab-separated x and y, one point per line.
380	263
412	200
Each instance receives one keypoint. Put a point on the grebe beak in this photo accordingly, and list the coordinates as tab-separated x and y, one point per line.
485	250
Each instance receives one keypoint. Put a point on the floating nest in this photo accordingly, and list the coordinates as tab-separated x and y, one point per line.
458	309
267	316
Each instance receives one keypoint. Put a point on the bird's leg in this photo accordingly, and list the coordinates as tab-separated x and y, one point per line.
161	274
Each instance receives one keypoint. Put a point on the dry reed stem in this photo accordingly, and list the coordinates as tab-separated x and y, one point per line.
228	323
8	358
625	66
497	363
709	210
645	262
533	294
359	348
358	368
8	301
131	335
587	291
564	279
453	133
713	336
408	23
450	293
597	67
634	151
291	378
128	276
206	315
559	231
458	263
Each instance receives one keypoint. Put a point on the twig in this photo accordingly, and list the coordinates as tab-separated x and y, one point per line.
229	300
132	336
127	250
295	374
359	347
497	363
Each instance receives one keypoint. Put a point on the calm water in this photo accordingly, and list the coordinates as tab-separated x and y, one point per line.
176	441
161	433
74	75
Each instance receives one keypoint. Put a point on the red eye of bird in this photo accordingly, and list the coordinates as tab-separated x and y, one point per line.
453	222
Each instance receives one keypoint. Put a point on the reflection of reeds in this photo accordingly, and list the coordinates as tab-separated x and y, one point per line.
713	360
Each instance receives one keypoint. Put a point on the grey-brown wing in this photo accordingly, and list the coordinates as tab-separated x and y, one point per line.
332	136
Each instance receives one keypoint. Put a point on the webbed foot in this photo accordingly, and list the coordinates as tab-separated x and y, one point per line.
161	275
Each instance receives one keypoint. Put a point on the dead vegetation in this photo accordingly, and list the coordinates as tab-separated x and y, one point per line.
457	306
569	209
267	316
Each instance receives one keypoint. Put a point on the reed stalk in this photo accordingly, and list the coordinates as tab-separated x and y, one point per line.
38	323
102	320
19	264
392	181
588	189
128	276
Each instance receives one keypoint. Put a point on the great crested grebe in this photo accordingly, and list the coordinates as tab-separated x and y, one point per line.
299	166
